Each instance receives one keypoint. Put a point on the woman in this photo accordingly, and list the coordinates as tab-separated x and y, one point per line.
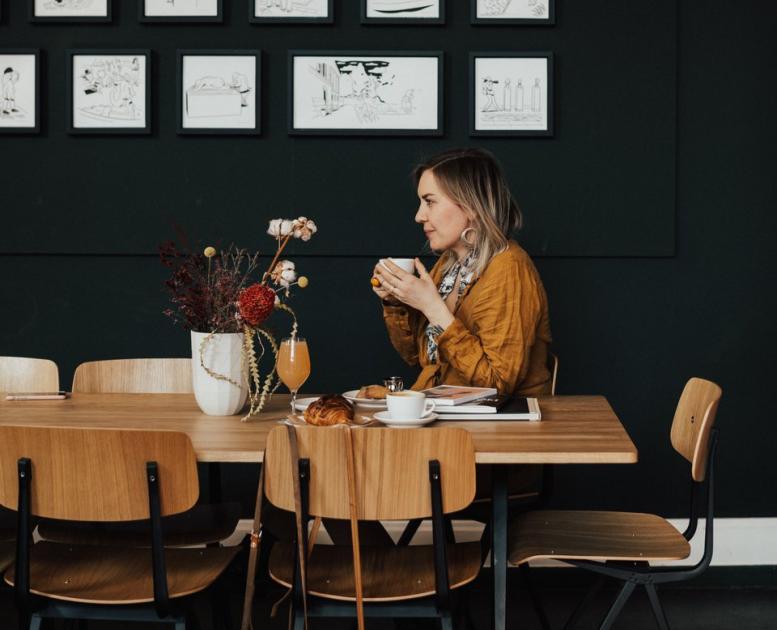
480	317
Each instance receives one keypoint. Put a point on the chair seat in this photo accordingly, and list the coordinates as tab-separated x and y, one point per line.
201	525
388	573
597	536
7	551
117	576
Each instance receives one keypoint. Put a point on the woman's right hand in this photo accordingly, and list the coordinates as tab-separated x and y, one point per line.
381	292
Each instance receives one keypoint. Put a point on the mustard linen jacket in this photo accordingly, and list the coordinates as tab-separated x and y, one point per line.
499	337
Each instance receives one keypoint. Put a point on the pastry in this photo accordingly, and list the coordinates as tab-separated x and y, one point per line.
329	410
375	392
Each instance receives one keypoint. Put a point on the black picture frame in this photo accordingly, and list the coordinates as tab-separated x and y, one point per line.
70	55
546	133
402	20
437	54
108	17
152	19
36	53
480	21
254	131
254	19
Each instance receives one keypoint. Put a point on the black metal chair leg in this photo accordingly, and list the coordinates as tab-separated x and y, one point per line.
587	599
617	606
655	604
410	529
33	624
525	572
450	535
446	622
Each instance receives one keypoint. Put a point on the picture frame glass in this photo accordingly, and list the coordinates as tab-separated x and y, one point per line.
513	9
18	83
180	8
403	9
70	8
109	91
310	9
218	92
366	92
511	94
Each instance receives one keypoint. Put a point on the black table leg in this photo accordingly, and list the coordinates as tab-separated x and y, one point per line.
499	544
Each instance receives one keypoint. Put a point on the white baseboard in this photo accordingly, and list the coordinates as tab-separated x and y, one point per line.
738	541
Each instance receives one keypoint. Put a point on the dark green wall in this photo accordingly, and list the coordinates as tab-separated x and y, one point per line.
631	327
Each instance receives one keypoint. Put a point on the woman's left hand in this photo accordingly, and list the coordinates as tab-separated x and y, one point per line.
419	292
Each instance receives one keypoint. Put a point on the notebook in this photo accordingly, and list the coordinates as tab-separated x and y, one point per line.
448	395
510	409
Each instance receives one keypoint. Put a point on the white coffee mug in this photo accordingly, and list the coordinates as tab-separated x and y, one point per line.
408	405
405	264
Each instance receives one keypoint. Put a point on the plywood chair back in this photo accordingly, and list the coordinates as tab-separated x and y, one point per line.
20	374
134	376
693	422
97	474
553	369
391	469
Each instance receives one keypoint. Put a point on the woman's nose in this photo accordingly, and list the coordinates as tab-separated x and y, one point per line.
420	215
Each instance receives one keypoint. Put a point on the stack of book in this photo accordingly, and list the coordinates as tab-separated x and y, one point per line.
454	402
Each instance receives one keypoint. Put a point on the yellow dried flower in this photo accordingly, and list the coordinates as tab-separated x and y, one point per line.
302	282
209	252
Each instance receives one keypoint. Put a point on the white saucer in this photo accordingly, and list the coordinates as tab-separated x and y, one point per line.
370	403
302	403
386	419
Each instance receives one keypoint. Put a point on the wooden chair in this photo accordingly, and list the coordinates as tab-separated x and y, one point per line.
376	474
206	523
20	374
621	545
103	475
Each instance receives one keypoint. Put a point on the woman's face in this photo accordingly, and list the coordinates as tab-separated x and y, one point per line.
443	219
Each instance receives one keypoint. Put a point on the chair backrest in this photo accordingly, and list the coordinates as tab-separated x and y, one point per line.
391	470
693	422
553	369
20	374
134	376
97	474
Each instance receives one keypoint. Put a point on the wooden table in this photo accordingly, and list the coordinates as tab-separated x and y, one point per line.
574	430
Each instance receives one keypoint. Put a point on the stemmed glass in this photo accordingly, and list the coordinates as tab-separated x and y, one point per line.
293	365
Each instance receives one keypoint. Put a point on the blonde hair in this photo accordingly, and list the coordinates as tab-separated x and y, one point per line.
473	179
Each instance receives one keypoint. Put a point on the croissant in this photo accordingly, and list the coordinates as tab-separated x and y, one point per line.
329	410
377	392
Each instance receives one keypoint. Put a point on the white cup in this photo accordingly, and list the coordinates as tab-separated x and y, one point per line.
408	405
405	264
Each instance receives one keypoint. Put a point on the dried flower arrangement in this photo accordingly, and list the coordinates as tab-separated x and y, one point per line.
216	293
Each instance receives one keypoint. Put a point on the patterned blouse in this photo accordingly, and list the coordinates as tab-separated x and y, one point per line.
460	270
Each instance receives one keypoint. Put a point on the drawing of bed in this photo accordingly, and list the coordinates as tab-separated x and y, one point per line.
212	96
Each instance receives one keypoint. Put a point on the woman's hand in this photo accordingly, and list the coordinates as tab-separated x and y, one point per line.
381	290
419	292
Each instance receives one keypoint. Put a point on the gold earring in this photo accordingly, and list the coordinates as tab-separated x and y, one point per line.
463	237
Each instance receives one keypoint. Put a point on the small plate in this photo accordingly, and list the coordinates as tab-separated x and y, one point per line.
358	421
385	418
303	403
371	403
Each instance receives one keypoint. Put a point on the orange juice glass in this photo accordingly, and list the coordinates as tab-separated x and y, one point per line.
293	365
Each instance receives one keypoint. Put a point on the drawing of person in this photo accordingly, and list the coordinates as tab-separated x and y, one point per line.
407	101
489	91
240	83
10	79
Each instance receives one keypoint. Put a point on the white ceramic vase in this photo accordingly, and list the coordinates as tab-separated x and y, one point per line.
222	354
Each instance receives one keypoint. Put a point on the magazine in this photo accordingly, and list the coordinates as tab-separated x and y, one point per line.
443	395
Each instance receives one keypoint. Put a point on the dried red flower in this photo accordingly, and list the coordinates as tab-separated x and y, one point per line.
256	303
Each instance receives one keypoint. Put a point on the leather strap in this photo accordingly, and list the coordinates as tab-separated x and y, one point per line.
253	555
355	547
301	538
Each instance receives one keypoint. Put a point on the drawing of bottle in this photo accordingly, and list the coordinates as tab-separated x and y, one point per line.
508	96
535	96
519	96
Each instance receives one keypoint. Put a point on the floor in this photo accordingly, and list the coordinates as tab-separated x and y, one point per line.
707	607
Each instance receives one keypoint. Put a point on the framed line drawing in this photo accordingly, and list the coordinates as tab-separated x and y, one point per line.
108	91
511	94
70	10
181	10
20	85
290	11
365	93
219	91
403	11
526	12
